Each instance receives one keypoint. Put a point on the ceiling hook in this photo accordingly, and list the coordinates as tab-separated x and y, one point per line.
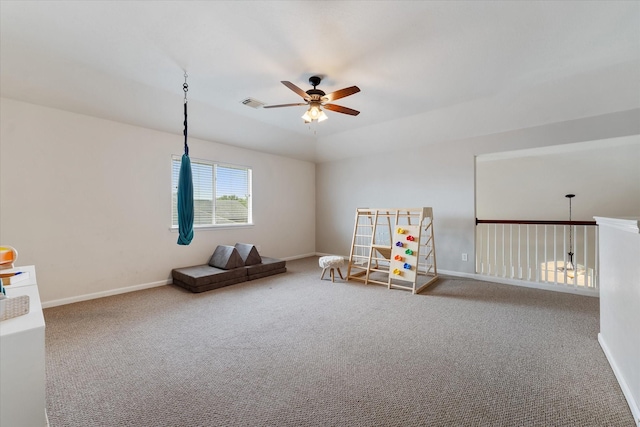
185	87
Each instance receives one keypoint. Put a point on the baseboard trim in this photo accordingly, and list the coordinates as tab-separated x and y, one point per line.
346	257
524	283
291	258
111	292
635	411
505	281
480	277
458	274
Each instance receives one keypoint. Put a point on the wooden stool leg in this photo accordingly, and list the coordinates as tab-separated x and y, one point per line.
323	271
340	273
332	276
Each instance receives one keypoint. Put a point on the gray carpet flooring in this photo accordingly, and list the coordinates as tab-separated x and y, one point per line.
291	350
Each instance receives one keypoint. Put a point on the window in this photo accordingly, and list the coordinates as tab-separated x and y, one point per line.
221	193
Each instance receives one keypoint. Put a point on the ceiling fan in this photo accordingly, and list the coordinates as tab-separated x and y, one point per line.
316	99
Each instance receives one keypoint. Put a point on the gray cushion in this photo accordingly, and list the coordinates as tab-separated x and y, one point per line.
203	275
268	264
226	258
267	273
200	278
209	286
249	253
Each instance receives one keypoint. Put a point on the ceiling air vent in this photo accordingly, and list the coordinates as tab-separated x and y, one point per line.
253	103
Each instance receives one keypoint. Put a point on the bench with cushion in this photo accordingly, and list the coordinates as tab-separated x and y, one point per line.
227	266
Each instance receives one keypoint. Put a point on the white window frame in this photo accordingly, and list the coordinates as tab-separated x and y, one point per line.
176	161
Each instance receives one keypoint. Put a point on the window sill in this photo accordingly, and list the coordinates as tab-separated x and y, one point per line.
213	227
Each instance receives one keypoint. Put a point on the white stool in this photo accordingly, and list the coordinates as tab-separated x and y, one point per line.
331	262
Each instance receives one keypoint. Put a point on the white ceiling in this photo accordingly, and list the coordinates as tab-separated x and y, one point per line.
454	69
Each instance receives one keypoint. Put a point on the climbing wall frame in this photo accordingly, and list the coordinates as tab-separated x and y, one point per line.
375	256
371	245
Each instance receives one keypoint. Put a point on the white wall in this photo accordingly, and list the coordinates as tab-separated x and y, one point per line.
88	201
604	175
620	304
438	175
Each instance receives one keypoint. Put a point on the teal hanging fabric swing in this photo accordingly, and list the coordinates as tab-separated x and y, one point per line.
185	185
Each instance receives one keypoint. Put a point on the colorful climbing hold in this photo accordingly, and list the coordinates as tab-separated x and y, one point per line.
401	230
408	252
410	238
398	258
397	272
399	244
407	266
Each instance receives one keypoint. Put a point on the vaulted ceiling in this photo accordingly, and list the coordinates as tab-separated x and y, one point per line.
438	70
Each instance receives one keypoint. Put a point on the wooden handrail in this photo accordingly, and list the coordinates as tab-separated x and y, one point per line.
534	222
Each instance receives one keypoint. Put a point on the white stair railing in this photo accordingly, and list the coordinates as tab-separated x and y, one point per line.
562	253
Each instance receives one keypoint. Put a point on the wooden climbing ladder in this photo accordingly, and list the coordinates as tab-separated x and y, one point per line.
376	256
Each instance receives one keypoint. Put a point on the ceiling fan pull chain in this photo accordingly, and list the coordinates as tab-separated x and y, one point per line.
185	88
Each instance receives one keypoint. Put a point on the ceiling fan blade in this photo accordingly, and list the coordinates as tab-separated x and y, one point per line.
296	89
341	109
340	93
284	105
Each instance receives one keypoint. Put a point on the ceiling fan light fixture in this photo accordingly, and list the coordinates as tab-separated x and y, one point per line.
314	113
315	99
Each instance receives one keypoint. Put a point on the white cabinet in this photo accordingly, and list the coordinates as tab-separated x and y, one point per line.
22	361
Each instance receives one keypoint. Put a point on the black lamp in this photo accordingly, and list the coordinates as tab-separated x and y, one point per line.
570	263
